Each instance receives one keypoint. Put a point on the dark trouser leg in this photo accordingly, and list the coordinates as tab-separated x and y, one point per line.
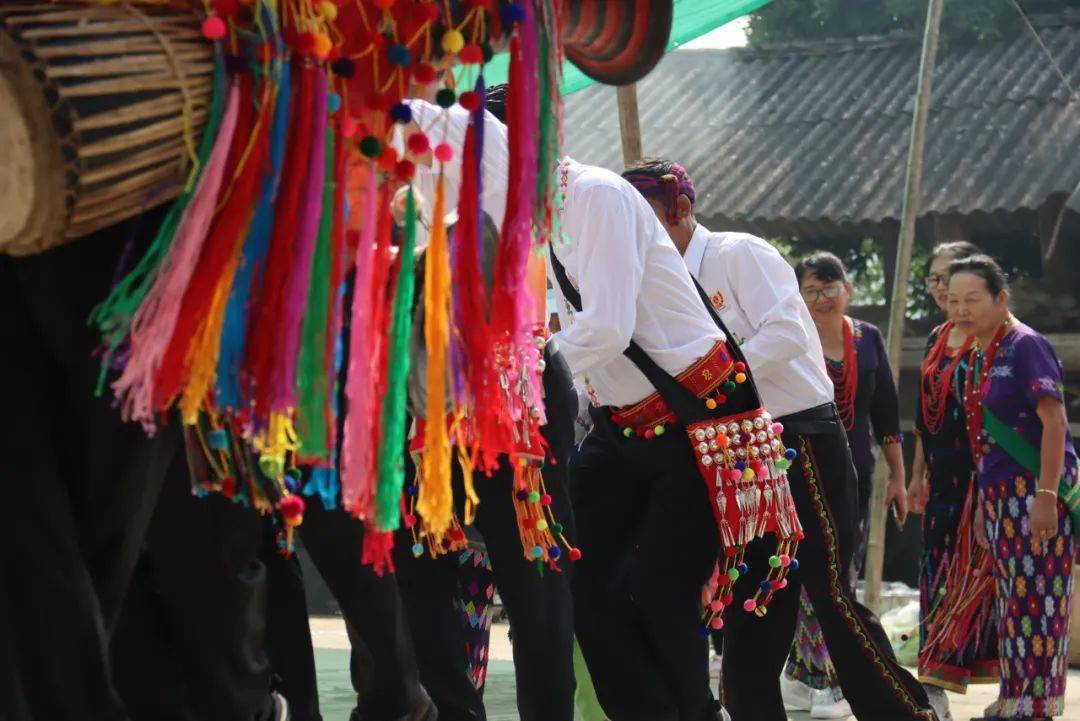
642	511
384	663
755	648
292	656
83	483
429	589
537	601
823	487
210	586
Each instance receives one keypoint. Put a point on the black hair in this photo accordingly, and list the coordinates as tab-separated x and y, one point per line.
956	249
655	167
986	268
823	265
495	101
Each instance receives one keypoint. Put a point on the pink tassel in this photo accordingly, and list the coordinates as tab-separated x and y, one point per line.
153	324
357	450
283	393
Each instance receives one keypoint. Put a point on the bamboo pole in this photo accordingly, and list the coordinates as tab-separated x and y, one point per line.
879	515
629	124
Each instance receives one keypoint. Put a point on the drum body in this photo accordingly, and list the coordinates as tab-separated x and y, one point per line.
101	107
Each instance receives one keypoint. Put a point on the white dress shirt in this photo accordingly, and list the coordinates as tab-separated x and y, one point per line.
633	285
449	126
757	295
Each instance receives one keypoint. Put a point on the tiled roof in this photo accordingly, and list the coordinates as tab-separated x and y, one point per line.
811	137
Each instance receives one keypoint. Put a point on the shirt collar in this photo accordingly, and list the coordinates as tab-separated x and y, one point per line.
695	252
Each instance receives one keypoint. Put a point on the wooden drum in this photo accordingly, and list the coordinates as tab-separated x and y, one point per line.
101	107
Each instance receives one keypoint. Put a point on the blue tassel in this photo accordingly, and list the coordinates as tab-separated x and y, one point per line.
256	246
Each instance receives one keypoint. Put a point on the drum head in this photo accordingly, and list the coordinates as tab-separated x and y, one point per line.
32	191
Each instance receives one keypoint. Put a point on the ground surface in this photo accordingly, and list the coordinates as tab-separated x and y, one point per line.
336	697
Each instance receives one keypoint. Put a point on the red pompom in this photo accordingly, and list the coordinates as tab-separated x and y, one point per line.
291	507
433	13
418	144
348	127
405	170
728	599
740	367
545	500
424	74
575	554
470	101
388	159
471	54
213	28
384	4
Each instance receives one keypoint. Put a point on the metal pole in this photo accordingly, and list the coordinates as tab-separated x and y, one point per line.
629	125
898	303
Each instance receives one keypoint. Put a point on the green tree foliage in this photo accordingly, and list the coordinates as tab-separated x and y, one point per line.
964	21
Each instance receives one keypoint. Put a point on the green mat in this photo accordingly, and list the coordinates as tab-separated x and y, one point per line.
336	696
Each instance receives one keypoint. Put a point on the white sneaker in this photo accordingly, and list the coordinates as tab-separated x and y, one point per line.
939	701
796	694
822	705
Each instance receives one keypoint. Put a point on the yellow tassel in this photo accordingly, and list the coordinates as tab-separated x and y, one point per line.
465	460
205	349
435	502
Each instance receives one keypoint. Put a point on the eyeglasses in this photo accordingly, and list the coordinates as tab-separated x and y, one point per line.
813	295
935	279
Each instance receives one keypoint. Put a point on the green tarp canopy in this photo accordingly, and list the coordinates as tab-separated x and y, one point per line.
692	19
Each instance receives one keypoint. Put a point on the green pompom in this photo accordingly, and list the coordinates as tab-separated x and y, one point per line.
445	98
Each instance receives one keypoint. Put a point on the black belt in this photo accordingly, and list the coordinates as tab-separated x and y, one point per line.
813	421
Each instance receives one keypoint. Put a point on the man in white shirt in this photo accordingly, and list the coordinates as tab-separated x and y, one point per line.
646	526
757	296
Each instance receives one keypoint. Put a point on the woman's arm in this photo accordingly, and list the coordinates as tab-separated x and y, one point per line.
1044	522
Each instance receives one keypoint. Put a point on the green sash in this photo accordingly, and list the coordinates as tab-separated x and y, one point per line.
1029	457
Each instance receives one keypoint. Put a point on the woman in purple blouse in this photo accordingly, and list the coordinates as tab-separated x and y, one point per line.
869	407
1025	459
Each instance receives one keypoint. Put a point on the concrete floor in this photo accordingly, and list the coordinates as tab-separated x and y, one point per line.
336	697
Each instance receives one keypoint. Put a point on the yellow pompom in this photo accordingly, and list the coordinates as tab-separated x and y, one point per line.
740	377
541	525
328	10
748	474
452	42
710	403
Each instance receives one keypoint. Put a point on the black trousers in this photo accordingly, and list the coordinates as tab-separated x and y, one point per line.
537	601
80	485
192	642
648	541
823	485
383	663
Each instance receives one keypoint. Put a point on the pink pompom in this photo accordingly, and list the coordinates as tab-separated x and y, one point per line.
213	28
716	606
444	153
785	560
749	605
717	623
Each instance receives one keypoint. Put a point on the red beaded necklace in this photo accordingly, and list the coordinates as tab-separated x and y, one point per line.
976	385
936	382
846	378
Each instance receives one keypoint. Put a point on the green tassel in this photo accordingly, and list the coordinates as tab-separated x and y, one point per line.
312	381
113	315
548	154
391	460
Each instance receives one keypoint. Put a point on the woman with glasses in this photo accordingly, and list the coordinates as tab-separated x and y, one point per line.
943	488
868	405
